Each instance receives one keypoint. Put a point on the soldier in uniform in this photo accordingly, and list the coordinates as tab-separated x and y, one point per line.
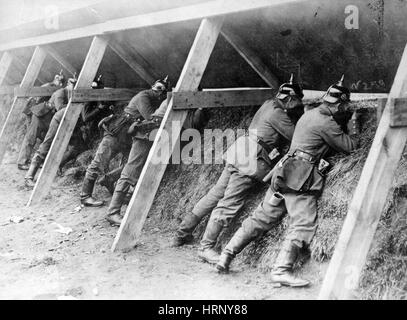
271	129
39	117
296	183
57	103
116	138
80	140
142	143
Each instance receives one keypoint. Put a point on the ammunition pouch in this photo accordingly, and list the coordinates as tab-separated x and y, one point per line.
298	172
42	109
113	124
251	157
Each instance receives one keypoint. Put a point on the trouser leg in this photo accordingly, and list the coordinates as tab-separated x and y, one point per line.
203	208
129	176
29	141
263	219
49	137
107	148
227	207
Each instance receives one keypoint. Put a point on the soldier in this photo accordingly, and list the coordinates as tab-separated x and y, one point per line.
273	125
116	138
39	117
80	140
86	129
296	183
139	152
58	103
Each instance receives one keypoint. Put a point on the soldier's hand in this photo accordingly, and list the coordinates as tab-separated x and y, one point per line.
354	124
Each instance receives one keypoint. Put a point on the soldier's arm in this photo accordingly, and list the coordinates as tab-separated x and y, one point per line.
60	100
283	124
337	139
145	108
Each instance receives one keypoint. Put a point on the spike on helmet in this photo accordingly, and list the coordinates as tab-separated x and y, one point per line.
337	92
59	76
289	89
98	83
161	84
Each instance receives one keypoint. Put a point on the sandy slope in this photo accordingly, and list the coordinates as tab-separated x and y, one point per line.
36	262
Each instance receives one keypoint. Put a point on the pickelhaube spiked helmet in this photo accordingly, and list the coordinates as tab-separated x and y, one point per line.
337	92
98	83
289	89
60	76
161	84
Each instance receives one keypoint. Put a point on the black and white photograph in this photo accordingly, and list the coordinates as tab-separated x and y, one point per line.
203	154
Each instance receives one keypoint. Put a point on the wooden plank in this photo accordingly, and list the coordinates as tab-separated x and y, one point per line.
380	108
343	274
221	99
135	61
68	122
185	13
251	57
5	63
398	112
61	60
7	89
85	95
241	97
34	92
17	106
153	172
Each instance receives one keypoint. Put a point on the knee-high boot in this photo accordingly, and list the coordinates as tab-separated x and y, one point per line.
115	206
206	251
282	270
235	245
185	229
86	193
32	170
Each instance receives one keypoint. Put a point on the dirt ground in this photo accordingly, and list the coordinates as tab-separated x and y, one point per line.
38	262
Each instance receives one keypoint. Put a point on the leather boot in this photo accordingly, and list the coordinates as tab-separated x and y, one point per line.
32	170
207	252
114	217
282	273
86	194
224	262
235	245
185	229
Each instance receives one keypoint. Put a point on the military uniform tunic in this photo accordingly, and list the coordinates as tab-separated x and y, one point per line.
42	115
227	197
316	133
141	106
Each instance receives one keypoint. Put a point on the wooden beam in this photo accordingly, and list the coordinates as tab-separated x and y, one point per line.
135	61
221	99
7	89
251	57
185	13
5	63
61	60
152	172
68	122
21	67
343	274
85	95
241	97
398	112
14	113
34	92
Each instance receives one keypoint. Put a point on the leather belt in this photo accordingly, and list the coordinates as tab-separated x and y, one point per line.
304	155
264	145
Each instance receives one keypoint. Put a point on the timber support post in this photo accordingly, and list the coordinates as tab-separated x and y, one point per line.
342	277
14	113
68	122
152	173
